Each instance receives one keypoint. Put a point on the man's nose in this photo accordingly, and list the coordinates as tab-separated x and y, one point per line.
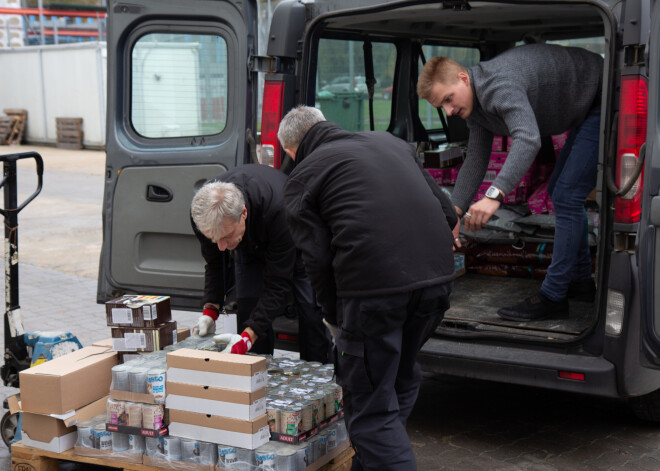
449	109
222	245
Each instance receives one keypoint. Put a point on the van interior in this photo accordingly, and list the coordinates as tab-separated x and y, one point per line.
387	46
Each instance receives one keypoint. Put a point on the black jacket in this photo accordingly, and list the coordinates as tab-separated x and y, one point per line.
367	218
266	239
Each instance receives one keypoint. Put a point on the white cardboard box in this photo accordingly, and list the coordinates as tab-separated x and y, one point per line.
217	370
56	445
215	401
209	428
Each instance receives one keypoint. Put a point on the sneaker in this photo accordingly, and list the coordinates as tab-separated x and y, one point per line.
535	308
583	291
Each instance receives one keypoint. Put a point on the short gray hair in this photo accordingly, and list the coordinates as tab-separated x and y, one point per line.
296	123
214	202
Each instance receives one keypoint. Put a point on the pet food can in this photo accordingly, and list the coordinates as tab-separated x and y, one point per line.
102	438
119	441
189	450
227	455
322	443
318	408
290	420
136	444
116	412
152	416
264	456
342	433
172	448
120	377
285	458
156	383
85	435
137	379
332	438
208	453
134	414
273	411
302	455
152	446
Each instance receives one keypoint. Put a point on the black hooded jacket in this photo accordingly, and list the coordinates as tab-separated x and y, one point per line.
367	218
266	239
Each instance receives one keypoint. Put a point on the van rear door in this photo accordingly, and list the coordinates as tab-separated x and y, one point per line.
181	110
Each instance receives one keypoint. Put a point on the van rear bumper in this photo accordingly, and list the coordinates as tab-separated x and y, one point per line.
519	366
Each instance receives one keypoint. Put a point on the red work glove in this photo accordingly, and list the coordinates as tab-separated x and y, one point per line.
239	344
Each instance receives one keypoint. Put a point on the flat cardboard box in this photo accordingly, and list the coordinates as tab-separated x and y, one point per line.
143	339
138	311
57	434
69	382
239	405
216	370
210	428
132	396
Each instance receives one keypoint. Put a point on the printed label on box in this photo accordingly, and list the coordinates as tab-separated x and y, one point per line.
122	316
135	340
119	344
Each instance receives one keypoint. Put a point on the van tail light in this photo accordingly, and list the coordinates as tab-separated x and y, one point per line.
633	108
271	116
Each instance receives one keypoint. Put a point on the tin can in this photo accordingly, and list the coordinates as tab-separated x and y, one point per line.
227	455
152	416
313	449
285	458
332	437
273	412
342	433
338	394
136	444
318	407
189	450
120	378
307	418
329	402
151	446
322	447
208	453
102	438
116	412
171	447
134	413
156	378
119	441
137	379
85	435
290	420
302	455
246	460
264	456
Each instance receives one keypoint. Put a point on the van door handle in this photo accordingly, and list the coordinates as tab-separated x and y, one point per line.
158	194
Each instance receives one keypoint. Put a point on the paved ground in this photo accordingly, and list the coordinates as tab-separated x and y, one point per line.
457	424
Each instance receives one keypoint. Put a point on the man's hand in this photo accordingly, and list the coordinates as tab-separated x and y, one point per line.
205	325
456	233
479	213
239	344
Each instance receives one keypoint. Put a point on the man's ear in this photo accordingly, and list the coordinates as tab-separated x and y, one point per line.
463	77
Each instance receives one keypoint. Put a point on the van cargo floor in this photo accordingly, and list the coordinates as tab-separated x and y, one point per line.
476	299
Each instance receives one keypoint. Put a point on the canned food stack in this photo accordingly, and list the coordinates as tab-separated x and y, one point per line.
140	323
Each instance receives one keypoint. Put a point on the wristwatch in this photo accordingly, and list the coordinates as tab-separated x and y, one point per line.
494	194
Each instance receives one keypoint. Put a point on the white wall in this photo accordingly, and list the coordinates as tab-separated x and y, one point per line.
56	81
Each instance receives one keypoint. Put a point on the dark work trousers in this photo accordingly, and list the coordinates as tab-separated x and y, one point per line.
376	352
313	337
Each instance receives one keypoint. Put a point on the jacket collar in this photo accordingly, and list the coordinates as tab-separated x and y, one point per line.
320	133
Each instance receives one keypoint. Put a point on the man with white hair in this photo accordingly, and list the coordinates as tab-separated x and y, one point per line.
375	233
239	220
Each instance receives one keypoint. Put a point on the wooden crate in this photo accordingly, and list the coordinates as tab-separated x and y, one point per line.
33	459
13	130
69	133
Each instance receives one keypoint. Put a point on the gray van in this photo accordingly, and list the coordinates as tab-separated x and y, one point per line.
185	84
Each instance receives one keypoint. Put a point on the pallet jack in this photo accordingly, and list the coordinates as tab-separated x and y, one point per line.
22	349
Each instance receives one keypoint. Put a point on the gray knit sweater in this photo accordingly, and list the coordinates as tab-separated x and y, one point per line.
526	92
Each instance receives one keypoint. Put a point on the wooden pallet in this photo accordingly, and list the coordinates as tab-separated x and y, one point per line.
69	133
24	458
14	129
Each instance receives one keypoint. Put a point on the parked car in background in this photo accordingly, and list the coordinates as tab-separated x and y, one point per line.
344	84
387	92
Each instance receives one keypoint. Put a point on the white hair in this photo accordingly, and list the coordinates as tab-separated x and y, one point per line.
214	202
296	123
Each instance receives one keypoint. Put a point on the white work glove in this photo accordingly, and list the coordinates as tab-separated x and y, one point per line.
332	328
205	325
239	344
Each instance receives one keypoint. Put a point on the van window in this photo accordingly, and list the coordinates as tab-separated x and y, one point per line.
341	88
596	45
179	85
463	55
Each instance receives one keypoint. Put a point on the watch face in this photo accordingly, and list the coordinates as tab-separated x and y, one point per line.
492	193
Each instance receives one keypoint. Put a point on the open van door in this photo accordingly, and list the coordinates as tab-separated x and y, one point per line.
181	110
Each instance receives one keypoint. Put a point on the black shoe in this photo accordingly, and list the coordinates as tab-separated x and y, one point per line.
535	308
583	291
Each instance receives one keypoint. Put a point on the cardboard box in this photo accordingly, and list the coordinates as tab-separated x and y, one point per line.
57	434
210	428
449	157
216	370
69	382
143	339
138	311
239	405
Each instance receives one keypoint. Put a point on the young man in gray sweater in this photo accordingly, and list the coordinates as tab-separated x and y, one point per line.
528	92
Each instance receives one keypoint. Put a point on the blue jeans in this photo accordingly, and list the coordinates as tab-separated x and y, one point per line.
571	182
